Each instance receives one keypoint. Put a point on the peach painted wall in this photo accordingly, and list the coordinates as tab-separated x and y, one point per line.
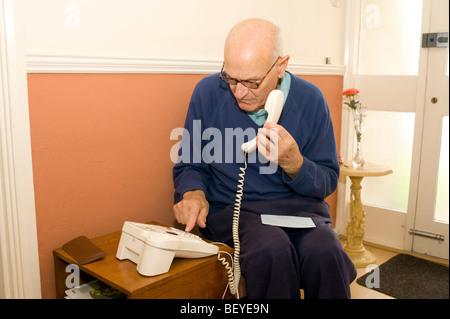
332	87
100	147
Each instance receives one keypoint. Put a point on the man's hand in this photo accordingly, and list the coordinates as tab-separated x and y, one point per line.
277	145
193	208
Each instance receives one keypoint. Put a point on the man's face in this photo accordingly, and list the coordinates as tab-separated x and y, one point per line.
252	99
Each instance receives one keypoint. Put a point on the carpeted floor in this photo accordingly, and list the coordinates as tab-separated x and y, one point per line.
408	277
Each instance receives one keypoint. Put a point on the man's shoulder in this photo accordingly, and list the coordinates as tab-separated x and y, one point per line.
299	83
211	88
210	81
305	93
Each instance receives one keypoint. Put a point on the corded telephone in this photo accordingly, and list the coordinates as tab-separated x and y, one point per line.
273	106
153	247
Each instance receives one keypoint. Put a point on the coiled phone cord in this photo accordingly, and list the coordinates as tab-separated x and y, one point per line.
234	272
237	246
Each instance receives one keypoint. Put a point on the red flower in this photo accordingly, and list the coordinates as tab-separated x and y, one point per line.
350	92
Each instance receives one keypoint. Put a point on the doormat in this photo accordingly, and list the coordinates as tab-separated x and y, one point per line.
408	277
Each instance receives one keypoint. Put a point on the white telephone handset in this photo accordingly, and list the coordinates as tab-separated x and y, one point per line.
274	106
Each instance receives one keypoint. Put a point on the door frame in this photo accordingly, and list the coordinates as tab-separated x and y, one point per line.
19	258
421	107
418	130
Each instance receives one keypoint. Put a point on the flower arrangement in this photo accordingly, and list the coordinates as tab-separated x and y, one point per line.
351	99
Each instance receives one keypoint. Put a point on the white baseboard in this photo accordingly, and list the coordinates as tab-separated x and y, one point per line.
46	63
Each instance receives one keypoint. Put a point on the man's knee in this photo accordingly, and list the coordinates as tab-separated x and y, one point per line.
269	266
270	245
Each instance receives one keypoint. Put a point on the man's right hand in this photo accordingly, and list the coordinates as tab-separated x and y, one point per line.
193	208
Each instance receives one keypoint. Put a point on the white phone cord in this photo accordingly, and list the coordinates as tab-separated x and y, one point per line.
237	212
229	271
234	272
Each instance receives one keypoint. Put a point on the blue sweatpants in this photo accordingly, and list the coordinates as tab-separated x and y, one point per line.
277	262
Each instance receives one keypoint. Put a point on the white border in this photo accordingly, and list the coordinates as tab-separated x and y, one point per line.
67	63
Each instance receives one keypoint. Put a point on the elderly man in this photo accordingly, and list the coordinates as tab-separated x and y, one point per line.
276	262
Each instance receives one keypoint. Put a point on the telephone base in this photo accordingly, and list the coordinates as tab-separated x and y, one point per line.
153	247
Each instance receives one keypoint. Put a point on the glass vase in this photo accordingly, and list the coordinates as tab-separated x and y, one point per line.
358	160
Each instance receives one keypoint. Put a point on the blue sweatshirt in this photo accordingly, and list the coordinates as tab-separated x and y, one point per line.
210	156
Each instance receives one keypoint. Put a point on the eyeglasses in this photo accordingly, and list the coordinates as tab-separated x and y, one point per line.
247	83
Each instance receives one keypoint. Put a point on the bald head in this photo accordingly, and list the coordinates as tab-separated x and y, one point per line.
253	54
253	41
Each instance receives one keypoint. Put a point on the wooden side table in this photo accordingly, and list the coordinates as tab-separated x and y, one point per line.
357	224
200	278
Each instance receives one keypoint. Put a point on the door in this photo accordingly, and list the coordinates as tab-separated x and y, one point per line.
403	129
430	229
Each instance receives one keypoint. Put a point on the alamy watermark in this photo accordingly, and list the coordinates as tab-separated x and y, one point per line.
211	145
373	279
73	279
72	16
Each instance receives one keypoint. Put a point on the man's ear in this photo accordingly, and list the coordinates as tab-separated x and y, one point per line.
283	65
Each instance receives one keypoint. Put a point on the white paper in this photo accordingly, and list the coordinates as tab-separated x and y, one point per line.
83	291
287	221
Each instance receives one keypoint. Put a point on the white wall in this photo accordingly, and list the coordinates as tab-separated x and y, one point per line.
179	29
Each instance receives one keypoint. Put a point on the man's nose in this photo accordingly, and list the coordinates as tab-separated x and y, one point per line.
240	91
